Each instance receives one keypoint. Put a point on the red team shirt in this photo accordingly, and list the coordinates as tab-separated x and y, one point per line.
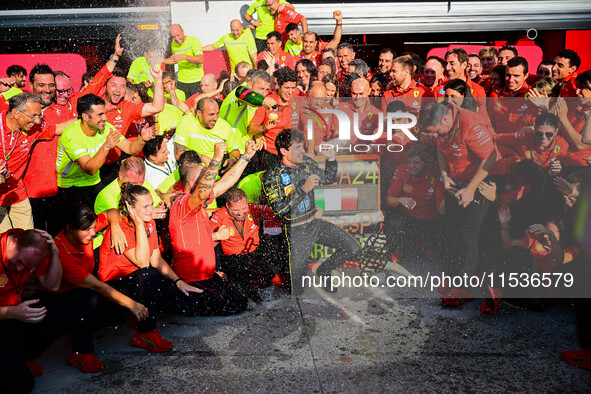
427	191
285	17
114	266
518	146
282	59
13	283
568	87
510	112
245	237
192	243
16	149
470	141
76	265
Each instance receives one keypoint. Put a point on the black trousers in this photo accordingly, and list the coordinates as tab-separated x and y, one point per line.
48	213
143	286
81	195
219	298
76	310
301	240
248	271
14	373
463	227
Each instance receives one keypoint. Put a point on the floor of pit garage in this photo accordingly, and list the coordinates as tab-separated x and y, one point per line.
356	340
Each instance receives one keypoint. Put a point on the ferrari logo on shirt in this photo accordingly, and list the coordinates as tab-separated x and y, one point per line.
539	247
369	116
528	154
3	280
498	107
283	58
407	188
288	189
557	149
416	93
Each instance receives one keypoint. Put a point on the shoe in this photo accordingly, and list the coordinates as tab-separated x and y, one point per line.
457	297
280	280
151	341
85	362
34	368
396	257
578	358
490	306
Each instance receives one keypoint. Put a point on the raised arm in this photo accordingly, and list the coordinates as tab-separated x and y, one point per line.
338	30
157	105
233	174
205	185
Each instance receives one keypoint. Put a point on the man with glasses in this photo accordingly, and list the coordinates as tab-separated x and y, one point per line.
17	134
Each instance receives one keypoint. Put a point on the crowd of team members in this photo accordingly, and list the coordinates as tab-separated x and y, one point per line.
131	182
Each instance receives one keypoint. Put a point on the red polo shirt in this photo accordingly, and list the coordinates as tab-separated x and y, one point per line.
245	236
567	86
282	59
411	94
16	149
427	191
283	117
511	111
577	116
285	17
470	141
122	116
114	266
192	242
316	56
13	283
523	146
44	154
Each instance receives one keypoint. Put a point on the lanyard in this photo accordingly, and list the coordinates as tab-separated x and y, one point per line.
549	157
241	232
9	276
6	157
167	165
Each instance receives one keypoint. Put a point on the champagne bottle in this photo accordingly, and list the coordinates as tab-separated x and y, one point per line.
250	97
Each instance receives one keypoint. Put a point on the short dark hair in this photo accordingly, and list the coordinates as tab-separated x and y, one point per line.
546	62
87	77
547	119
168	74
518	61
381	78
461	54
286	138
331	50
202	101
275	34
40	69
235	195
16	70
474	55
440	60
284	75
152	146
431	114
80	217
396	106
86	102
572	56
187	160
508	48
117	72
423	152
31	239
291	27
388	50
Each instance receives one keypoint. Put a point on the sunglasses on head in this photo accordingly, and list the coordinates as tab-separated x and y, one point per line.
548	134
